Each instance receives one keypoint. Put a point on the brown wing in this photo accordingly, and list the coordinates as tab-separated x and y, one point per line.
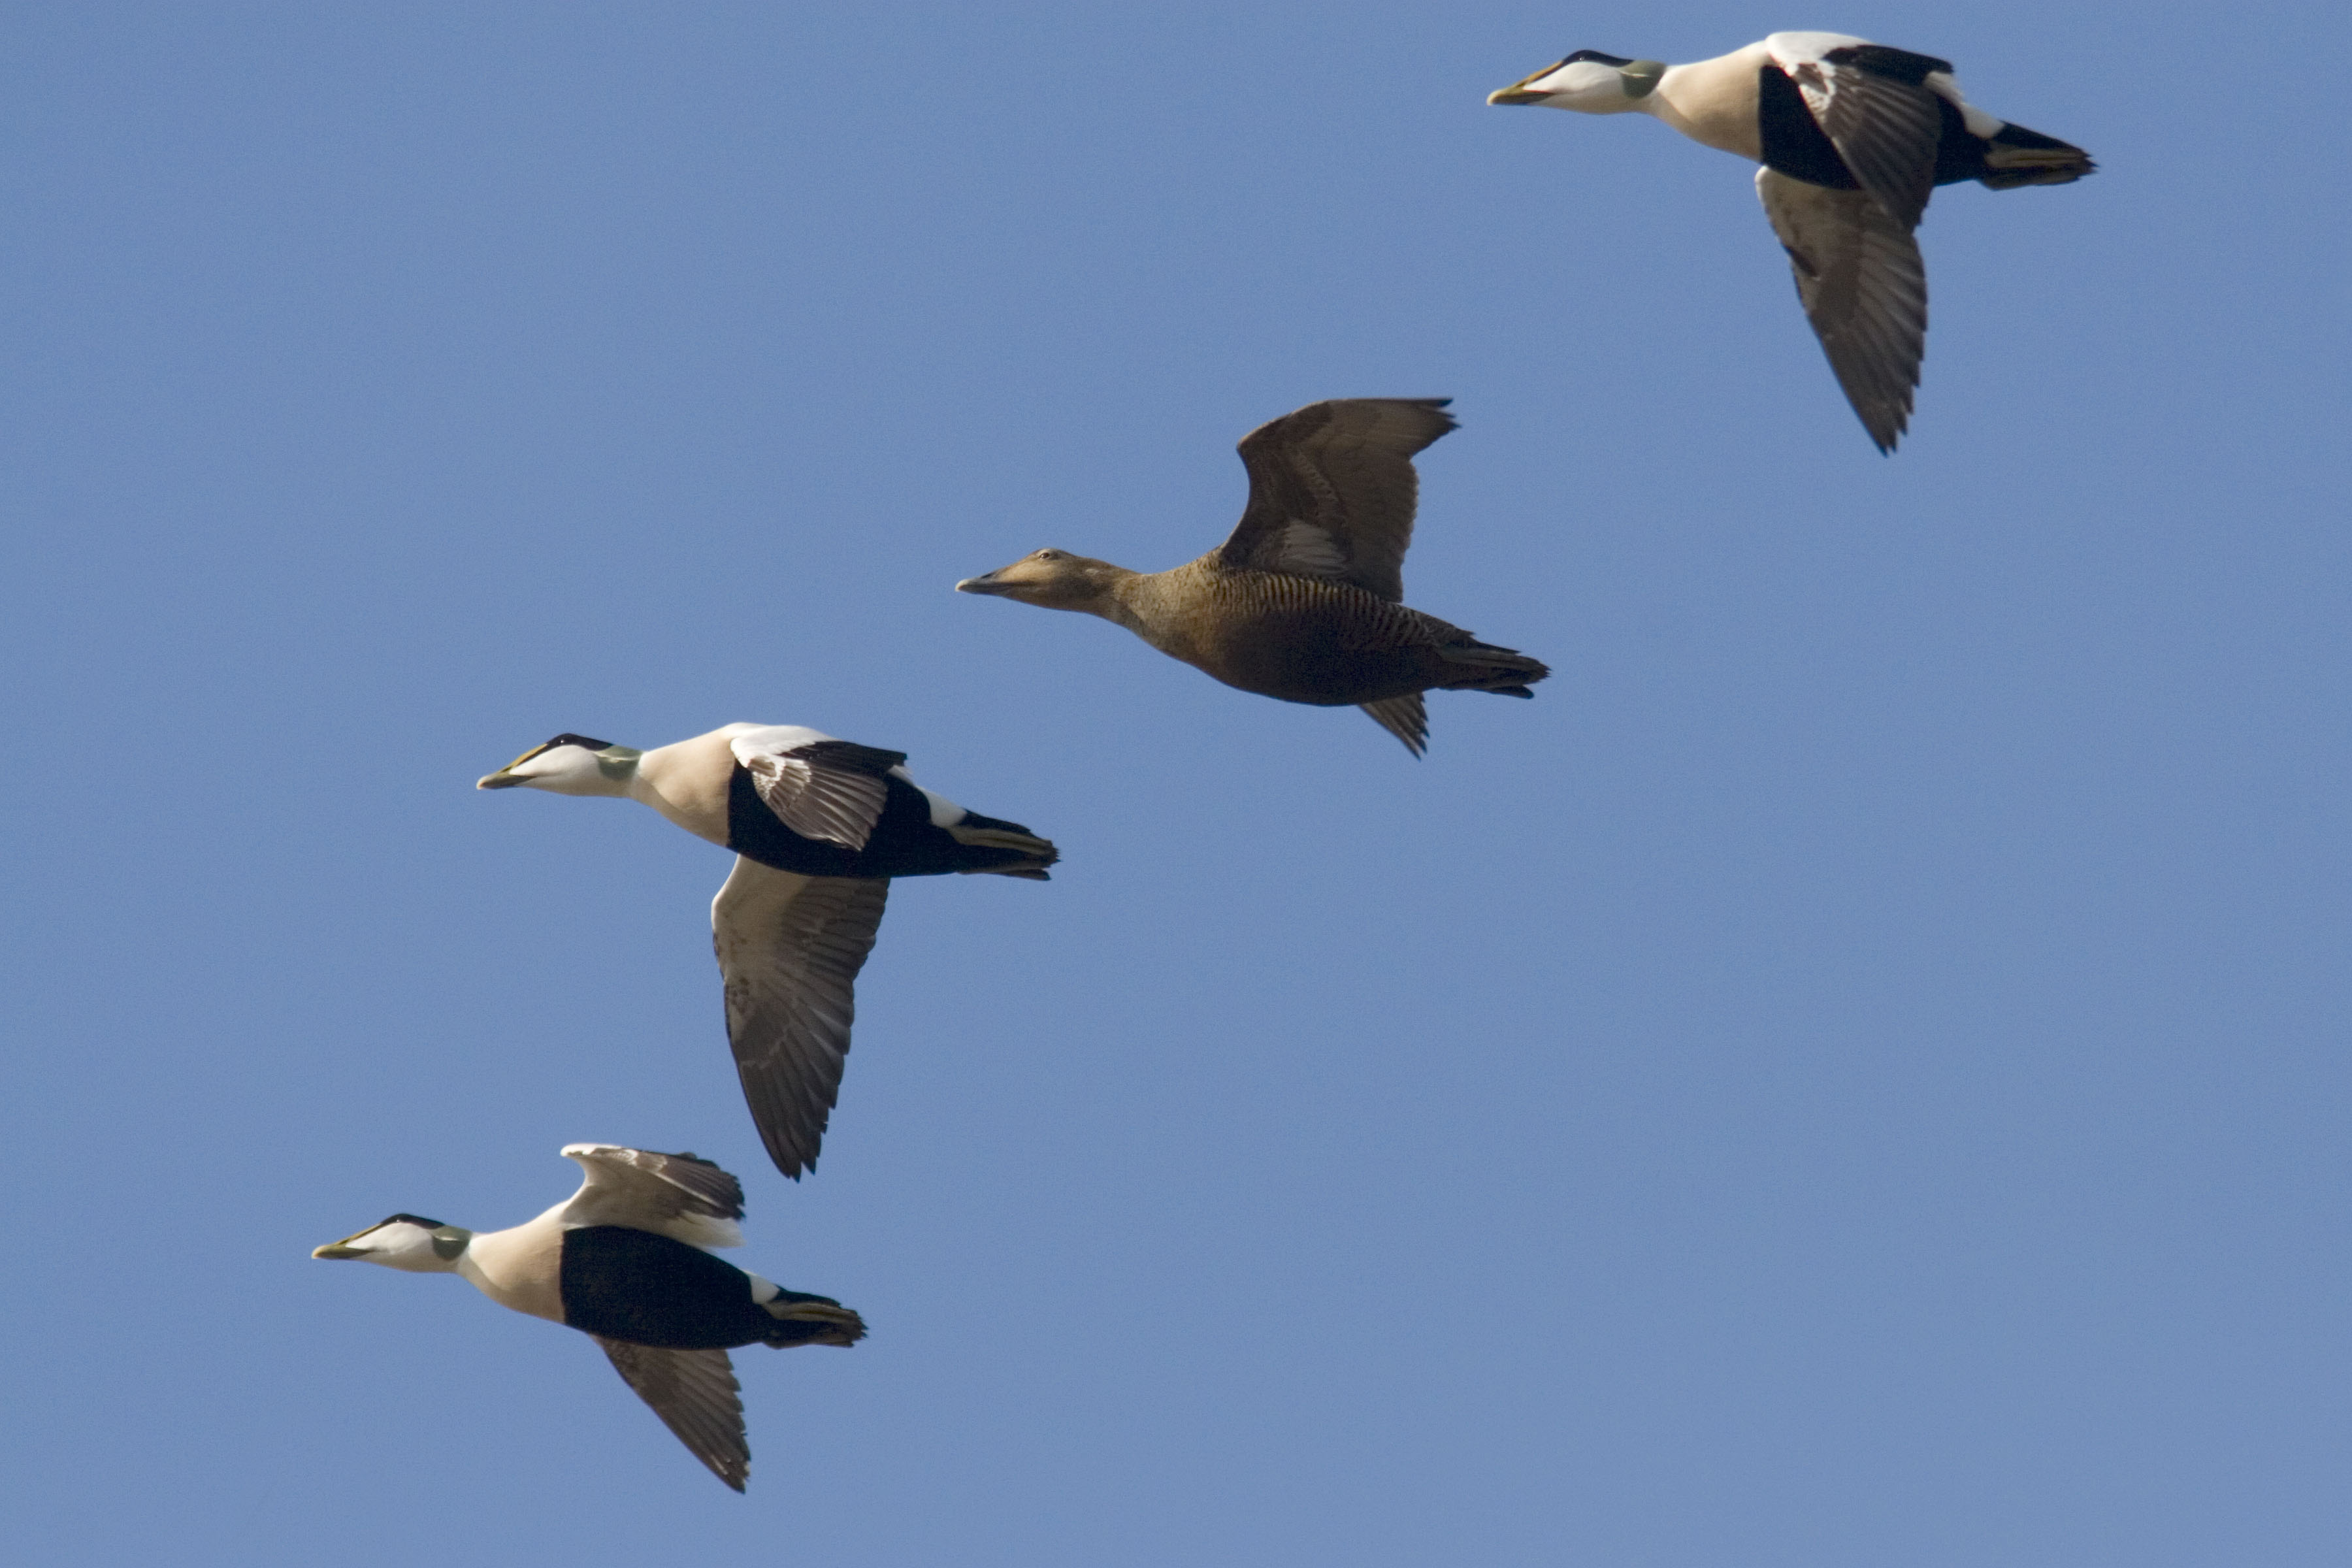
1406	717
696	1395
827	790
1332	490
789	948
1864	289
1869	100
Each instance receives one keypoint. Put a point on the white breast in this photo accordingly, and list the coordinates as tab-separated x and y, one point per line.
687	782
521	1268
1714	102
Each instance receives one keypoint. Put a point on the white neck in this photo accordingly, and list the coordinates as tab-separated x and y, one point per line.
521	1267
687	781
1714	102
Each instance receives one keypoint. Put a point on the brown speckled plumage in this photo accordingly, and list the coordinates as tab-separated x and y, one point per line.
1303	602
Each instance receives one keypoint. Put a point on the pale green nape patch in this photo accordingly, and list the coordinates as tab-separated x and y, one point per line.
449	1240
618	763
1641	77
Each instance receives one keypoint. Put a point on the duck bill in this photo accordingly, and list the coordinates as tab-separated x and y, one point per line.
987	582
504	778
335	1249
1519	91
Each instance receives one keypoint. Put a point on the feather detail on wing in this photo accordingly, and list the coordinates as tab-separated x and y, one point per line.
1874	105
1406	717
829	790
676	1195
1332	490
789	948
1864	289
696	1396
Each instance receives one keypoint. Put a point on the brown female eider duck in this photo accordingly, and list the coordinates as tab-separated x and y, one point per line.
1853	136
1303	603
621	1260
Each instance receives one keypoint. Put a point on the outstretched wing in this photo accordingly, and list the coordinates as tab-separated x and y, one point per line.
789	948
1332	490
696	1395
822	789
676	1195
1864	289
1874	105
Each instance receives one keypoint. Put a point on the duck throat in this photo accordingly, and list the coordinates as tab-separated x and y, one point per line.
1165	609
1118	595
1714	102
687	782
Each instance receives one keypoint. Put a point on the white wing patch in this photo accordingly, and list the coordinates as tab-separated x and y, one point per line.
676	1195
771	737
945	813
1789	50
1946	87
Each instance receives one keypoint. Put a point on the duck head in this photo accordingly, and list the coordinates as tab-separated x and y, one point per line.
407	1242
1052	580
1588	81
569	764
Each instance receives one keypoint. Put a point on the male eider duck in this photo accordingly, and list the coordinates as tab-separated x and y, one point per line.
1303	603
1853	136
819	826
621	1260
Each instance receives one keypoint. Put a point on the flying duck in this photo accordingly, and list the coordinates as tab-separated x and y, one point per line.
1853	137
819	826
621	1260
1304	601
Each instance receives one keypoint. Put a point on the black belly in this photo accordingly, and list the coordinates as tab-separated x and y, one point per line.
904	843
633	1285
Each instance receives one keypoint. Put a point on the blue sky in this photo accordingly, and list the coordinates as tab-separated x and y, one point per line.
1852	1074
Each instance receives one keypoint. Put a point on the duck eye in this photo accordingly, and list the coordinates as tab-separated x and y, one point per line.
1049	555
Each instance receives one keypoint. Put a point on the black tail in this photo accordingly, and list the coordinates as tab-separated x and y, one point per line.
1011	849
2016	156
1486	667
803	1320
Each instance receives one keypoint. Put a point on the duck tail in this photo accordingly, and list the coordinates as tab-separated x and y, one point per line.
1505	672
2015	156
803	1320
1023	854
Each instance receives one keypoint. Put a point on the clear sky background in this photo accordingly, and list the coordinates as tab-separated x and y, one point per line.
1852	1074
